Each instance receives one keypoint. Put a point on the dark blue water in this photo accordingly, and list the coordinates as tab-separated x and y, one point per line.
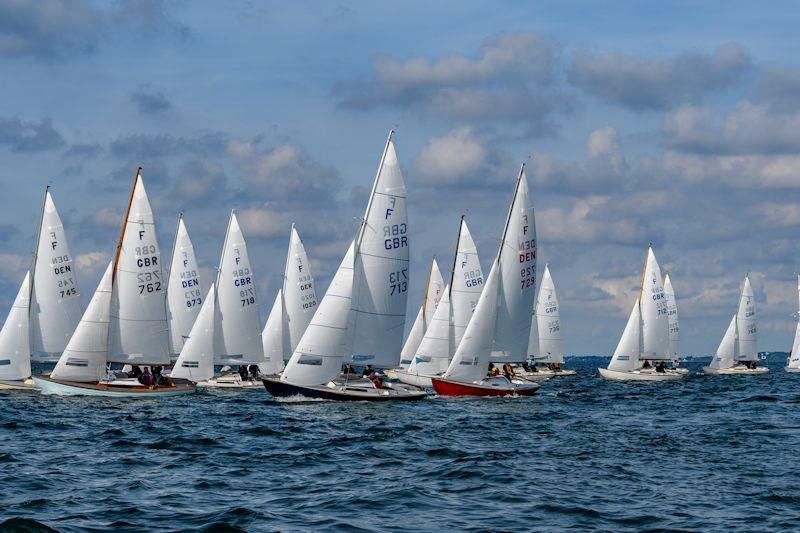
708	453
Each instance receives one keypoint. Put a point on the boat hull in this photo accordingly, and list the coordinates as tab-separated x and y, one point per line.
230	381
489	387
417	380
735	371
25	384
73	388
636	375
339	392
791	369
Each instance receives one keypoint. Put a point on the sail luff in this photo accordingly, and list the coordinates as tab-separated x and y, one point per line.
124	226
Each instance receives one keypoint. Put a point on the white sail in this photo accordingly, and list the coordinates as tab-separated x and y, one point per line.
500	326
15	345
184	291
238	335
433	294
728	349
273	338
196	360
322	349
746	324
433	353
380	269
672	314
626	356
548	321
794	355
655	319
84	358
466	283
299	296
56	301
139	331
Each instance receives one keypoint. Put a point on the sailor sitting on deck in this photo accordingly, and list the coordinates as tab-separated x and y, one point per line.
146	378
646	364
254	372
368	371
493	370
508	372
661	367
243	372
135	372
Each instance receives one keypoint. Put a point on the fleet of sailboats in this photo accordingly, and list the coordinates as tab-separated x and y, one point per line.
465	325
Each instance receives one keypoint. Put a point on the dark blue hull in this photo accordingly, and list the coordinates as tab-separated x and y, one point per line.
281	389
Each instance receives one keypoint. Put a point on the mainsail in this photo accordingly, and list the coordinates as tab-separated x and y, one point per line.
500	326
84	358
430	301
550	347
746	324
238	326
655	315
15	345
380	269
139	331
55	299
184	291
672	310
794	355
299	296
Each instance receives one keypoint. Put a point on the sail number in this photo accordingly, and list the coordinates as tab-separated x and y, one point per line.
394	236
473	278
398	281
528	275
149	281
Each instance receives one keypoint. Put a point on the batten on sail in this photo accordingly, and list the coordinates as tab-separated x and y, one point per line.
55	298
15	346
380	269
184	290
139	331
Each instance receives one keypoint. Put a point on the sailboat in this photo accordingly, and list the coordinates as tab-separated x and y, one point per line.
430	300
674	326
793	361
126	321
646	335
546	342
500	326
450	319
362	315
737	353
237	335
184	290
47	308
292	310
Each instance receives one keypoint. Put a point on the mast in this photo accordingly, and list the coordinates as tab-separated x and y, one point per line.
427	287
510	212
286	270
36	256
224	246
455	256
174	244
372	194
124	225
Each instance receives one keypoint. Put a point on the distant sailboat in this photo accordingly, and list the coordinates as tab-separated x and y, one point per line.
793	361
646	335
184	290
292	310
737	353
430	300
546	341
449	321
674	326
51	301
500	326
362	315
126	320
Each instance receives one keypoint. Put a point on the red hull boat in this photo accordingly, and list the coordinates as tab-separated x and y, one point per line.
494	386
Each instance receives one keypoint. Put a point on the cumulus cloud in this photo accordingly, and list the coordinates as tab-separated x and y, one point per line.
54	30
147	146
779	88
84	150
643	83
92	261
200	181
513	78
29	135
150	101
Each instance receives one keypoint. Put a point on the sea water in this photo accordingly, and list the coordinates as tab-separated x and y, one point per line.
710	453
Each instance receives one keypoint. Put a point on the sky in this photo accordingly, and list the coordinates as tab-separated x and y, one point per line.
675	123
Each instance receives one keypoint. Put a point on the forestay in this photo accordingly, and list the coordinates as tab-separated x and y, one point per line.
380	271
139	331
655	319
626	356
238	334
196	360
672	313
184	291
322	348
84	358
548	322
746	324
56	301
15	345
430	301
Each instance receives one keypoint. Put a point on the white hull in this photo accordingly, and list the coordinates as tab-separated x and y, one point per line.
230	381
108	390
640	375
792	369
544	373
25	384
735	371
417	380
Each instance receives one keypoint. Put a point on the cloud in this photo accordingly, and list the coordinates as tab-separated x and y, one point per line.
145	146
200	181
54	30
513	78
150	101
6	232
84	150
779	88
590	220
461	158
29	135
92	261
641	83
